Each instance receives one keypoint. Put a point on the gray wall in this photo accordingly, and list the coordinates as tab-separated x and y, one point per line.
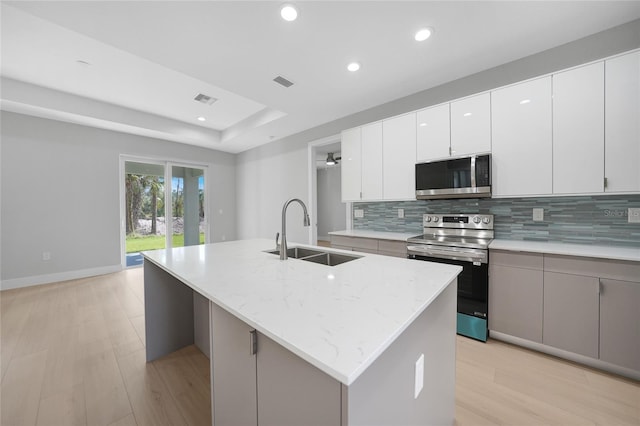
60	193
331	210
268	175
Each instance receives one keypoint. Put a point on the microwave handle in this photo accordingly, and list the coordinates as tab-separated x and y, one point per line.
473	171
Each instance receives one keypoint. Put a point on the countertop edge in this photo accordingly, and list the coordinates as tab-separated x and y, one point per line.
380	235
578	250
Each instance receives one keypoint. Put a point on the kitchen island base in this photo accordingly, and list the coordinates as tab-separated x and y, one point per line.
370	342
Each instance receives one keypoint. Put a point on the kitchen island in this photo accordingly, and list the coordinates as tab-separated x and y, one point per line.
369	341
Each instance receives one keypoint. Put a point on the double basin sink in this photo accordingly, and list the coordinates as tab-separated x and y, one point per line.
316	256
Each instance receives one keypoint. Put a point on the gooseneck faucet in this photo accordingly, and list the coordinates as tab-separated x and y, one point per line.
307	222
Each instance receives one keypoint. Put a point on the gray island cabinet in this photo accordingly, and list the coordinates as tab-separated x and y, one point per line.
367	342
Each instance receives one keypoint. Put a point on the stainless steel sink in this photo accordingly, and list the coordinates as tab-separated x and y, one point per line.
297	252
317	256
331	259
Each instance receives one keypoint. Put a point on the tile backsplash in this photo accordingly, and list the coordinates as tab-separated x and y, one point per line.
581	220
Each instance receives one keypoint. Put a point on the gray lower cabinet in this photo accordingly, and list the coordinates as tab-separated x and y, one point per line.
516	294
292	392
571	305
269	387
233	371
586	306
620	323
370	245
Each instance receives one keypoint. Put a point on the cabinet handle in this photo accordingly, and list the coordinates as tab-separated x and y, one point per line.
253	342
605	183
600	288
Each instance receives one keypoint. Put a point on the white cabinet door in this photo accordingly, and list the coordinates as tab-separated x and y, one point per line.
399	157
433	133
471	125
578	130
371	145
351	165
622	123
521	139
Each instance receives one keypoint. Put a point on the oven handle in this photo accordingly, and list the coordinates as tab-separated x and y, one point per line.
447	254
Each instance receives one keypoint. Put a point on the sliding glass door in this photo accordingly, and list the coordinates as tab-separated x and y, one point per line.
163	206
187	206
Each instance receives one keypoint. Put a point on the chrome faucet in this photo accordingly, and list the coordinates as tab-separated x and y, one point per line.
307	222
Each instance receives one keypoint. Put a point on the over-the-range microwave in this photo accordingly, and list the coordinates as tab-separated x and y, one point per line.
463	177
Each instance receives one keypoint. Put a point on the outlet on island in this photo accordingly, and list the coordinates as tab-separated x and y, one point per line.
46	256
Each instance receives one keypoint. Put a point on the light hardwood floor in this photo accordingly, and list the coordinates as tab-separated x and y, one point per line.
72	353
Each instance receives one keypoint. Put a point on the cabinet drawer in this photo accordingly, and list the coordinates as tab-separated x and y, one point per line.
355	242
335	246
516	259
392	247
603	268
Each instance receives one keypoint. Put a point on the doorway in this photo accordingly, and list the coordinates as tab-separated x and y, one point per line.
328	211
163	205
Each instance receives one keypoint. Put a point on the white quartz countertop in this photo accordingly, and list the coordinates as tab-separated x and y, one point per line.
598	251
380	235
338	318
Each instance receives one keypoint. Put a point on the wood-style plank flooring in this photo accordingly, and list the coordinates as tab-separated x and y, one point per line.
72	353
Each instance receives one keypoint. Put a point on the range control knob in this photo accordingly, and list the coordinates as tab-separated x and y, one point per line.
486	220
436	218
476	219
427	218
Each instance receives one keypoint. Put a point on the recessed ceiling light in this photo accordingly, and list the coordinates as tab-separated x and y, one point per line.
525	101
467	114
202	119
353	66
423	124
423	34
289	12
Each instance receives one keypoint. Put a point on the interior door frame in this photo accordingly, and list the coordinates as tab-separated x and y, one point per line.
313	185
167	164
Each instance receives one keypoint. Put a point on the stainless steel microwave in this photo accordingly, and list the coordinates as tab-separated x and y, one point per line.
465	177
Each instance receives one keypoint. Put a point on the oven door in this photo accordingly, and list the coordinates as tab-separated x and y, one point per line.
473	293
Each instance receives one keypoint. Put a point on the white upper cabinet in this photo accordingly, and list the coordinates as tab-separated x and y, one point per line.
521	139
471	125
399	157
433	133
351	165
371	148
622	123
578	130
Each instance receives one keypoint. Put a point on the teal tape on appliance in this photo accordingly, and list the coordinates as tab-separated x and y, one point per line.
473	327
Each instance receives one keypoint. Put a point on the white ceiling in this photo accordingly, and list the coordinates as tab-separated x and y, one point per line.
152	57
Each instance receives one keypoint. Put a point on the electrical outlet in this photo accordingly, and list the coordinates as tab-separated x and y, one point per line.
46	256
419	376
634	215
401	213
538	214
358	213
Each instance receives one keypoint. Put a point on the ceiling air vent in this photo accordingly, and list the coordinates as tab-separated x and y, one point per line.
204	99
283	81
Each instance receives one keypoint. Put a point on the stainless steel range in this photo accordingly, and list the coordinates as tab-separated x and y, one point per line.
460	239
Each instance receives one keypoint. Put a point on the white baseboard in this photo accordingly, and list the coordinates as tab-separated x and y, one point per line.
580	359
57	277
